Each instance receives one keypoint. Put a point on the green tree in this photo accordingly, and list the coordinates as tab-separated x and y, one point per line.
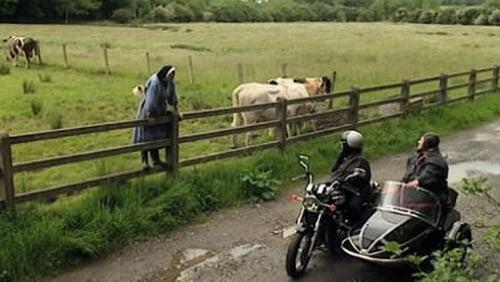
8	7
77	7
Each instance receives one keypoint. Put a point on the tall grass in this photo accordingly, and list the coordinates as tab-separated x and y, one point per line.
36	106
42	238
4	69
29	87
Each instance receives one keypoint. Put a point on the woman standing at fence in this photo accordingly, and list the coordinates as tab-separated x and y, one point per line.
159	93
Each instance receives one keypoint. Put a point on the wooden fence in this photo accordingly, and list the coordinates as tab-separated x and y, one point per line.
404	98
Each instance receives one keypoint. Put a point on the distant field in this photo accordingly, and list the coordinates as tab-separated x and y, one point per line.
362	54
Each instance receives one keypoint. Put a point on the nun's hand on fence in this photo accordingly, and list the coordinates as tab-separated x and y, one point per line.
180	116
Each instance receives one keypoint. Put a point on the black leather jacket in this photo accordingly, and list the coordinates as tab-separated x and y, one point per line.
430	169
346	165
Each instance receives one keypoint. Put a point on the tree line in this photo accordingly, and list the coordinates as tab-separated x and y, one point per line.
484	12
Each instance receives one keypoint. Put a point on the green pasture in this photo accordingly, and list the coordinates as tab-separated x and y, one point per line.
362	54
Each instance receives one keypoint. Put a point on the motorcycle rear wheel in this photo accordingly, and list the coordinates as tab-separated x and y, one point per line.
297	256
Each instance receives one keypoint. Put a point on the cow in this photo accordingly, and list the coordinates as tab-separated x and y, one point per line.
21	46
314	86
261	93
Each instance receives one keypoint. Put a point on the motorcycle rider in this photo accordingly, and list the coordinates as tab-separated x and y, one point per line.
427	168
353	168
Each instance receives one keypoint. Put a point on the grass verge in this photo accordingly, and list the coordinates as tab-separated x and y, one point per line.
41	239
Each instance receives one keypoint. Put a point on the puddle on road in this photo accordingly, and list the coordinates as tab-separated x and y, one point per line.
462	170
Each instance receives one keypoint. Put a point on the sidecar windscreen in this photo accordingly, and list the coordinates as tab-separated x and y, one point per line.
418	202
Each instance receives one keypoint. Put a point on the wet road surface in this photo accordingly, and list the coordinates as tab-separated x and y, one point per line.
245	244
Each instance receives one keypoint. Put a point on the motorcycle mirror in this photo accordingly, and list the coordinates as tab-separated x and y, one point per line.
303	161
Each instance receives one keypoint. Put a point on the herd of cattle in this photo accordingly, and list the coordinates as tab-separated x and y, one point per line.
16	47
261	93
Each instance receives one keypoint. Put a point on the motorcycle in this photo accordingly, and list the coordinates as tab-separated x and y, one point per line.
322	218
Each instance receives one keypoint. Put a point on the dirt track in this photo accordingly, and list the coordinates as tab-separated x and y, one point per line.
245	244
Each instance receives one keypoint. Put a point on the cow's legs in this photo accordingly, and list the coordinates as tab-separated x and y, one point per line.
249	120
27	59
237	121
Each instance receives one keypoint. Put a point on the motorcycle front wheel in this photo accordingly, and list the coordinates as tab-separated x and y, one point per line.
298	255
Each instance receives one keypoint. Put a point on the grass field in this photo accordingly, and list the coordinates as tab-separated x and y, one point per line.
362	54
41	238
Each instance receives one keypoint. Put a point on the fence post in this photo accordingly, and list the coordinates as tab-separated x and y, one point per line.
240	73
494	83
284	70
472	85
6	178
148	63
354	105
334	82
173	149
106	62
405	96
281	116
65	56
190	69
443	89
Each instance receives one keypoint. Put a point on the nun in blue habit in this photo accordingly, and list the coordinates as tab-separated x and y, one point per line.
159	93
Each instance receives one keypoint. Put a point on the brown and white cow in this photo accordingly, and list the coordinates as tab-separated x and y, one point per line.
259	93
21	46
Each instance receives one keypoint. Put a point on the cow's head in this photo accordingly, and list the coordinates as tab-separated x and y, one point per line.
8	38
316	85
326	84
138	90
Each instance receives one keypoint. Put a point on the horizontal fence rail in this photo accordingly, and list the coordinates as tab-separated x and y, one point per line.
81	130
352	115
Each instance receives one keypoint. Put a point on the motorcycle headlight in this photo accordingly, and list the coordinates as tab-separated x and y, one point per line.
310	203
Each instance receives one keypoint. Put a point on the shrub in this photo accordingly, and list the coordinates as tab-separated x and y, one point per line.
162	14
427	17
467	15
401	15
56	121
181	13
4	69
285	11
323	11
365	15
414	16
447	16
36	107
481	20
45	78
260	185
339	13
29	87
494	18
122	15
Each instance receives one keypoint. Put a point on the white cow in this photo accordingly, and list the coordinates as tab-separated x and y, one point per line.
259	93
